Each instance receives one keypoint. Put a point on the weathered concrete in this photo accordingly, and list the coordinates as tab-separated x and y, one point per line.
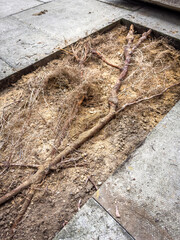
146	189
70	20
171	4
129	5
161	20
93	222
5	69
11	7
22	46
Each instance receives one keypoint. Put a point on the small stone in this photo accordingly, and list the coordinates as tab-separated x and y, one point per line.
99	183
128	189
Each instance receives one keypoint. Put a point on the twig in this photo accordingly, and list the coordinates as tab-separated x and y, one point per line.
93	183
7	165
104	60
83	52
61	165
146	98
117	212
64	50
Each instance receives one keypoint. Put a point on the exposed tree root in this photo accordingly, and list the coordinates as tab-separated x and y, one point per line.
146	98
24	208
62	165
44	169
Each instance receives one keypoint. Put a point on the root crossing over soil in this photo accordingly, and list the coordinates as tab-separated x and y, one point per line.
57	114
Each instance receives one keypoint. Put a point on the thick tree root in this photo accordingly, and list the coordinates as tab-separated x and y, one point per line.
24	208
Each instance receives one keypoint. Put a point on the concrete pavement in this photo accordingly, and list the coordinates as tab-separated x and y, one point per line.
93	222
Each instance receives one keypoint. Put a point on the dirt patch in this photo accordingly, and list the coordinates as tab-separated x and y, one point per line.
47	110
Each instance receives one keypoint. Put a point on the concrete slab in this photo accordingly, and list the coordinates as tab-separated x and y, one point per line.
171	4
130	5
22	45
5	69
10	7
71	20
146	189
93	222
161	20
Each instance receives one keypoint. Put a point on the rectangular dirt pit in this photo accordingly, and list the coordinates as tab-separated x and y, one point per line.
47	110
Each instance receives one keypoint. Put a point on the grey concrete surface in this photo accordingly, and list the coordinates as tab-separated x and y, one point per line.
22	46
10	7
146	189
126	4
5	69
70	20
93	222
161	20
171	4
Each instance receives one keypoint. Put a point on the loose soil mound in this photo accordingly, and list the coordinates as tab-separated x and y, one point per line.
48	109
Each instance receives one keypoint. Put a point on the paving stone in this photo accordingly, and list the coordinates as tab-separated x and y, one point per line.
22	45
130	5
93	222
13	6
146	189
161	20
71	20
5	69
172	4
